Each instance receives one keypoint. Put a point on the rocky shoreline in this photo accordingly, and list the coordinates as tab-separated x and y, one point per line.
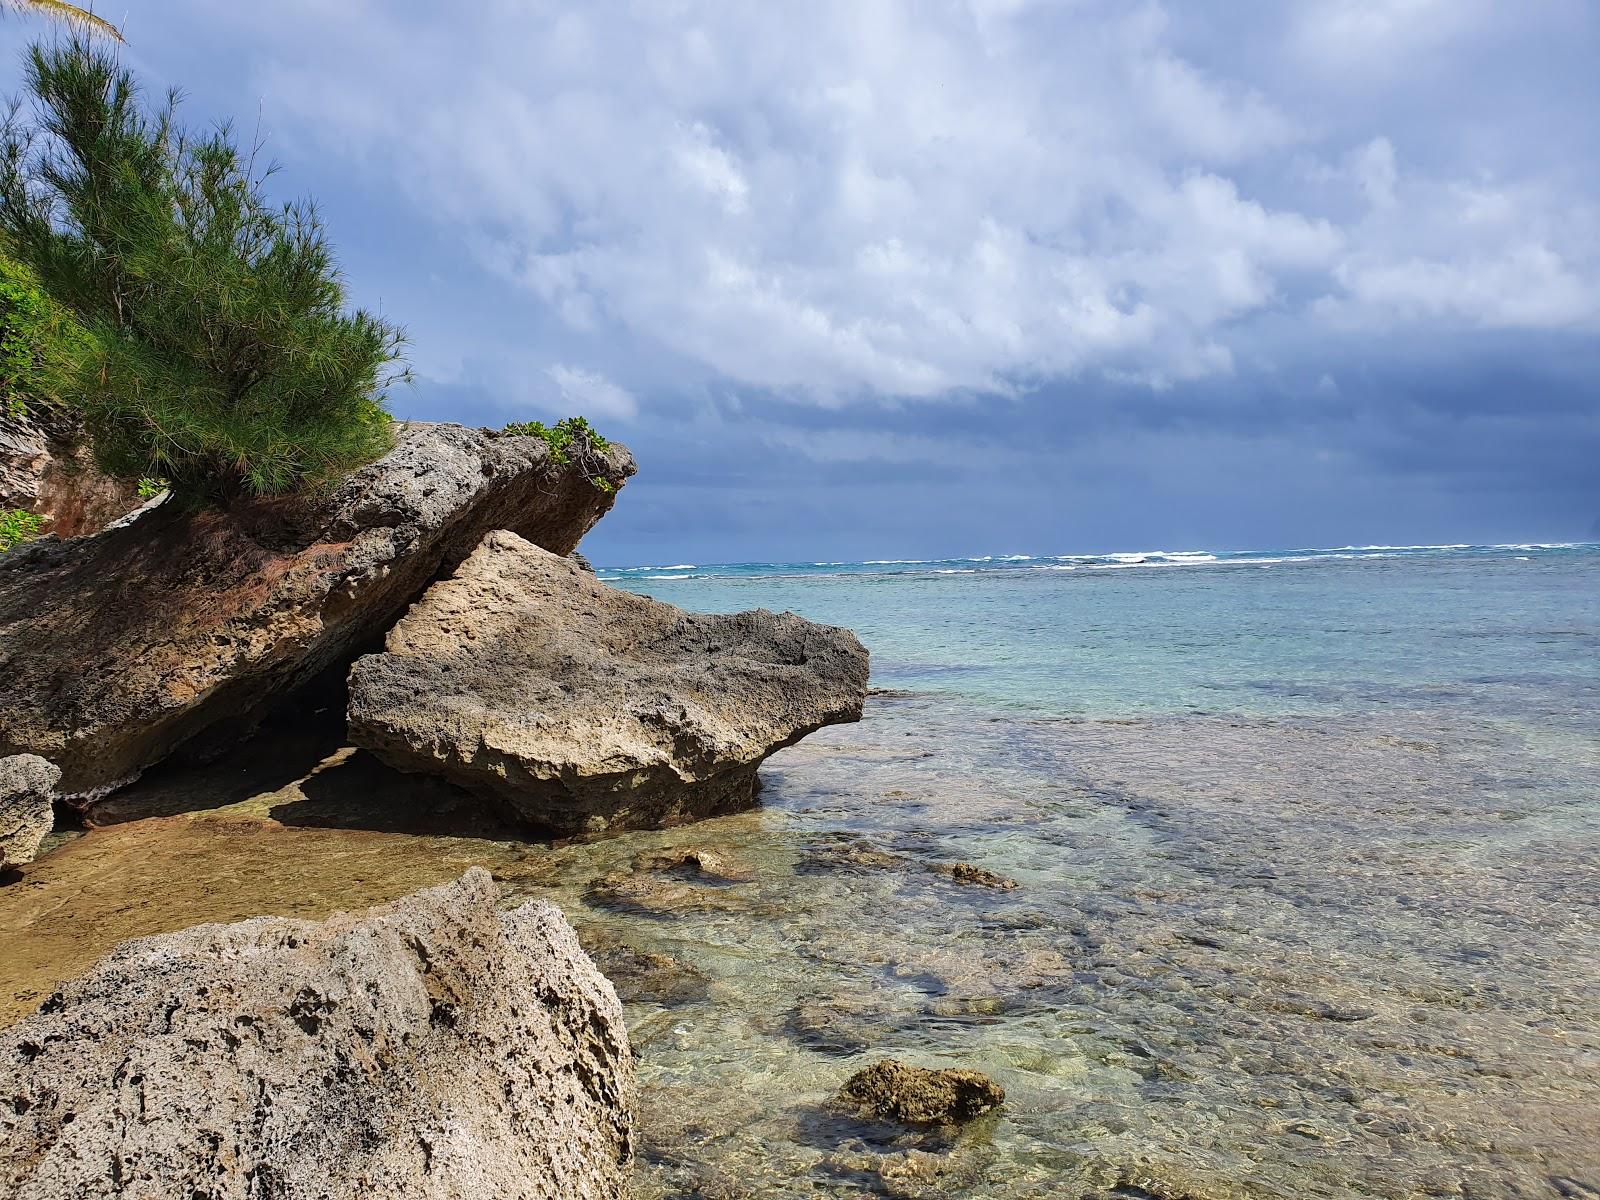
434	1046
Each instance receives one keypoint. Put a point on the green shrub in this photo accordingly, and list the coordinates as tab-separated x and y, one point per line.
34	333
18	525
571	440
221	357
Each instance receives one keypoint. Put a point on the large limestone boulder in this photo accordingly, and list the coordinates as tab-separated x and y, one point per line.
27	783
587	708
435	1047
118	648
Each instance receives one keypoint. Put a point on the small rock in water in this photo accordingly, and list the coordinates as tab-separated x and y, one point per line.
965	872
694	862
842	854
907	1174
840	1025
26	812
655	895
891	1090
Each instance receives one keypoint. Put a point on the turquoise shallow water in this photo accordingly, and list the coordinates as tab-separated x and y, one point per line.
1307	855
1509	631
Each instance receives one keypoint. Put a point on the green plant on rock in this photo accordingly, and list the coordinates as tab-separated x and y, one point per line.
572	440
149	488
18	525
221	356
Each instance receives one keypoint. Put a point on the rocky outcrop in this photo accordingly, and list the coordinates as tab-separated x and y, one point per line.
27	783
46	468
432	1048
586	708
119	648
891	1090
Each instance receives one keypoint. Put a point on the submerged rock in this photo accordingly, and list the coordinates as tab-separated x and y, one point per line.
847	854
975	876
842	1025
640	974
435	1047
27	783
118	648
586	708
908	1174
891	1090
661	895
693	862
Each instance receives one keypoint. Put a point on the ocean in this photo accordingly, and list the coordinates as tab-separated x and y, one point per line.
1284	881
1306	846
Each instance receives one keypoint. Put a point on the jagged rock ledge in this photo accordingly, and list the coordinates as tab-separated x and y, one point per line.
435	1047
119	648
586	708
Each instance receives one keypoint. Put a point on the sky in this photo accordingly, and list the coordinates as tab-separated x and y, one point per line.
907	280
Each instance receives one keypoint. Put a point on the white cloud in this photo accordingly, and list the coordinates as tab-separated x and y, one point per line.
907	200
589	393
1380	33
1526	286
1374	168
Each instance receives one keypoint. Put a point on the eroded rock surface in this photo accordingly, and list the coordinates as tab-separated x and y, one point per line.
27	784
891	1090
587	708
46	468
435	1047
117	649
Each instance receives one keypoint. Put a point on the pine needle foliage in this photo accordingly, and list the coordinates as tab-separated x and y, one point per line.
221	356
71	14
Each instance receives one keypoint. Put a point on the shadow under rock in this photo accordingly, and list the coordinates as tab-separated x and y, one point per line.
353	790
830	1127
287	747
301	771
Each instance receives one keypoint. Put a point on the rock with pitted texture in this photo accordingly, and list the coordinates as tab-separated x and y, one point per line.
118	648
891	1090
434	1048
47	469
586	708
27	784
